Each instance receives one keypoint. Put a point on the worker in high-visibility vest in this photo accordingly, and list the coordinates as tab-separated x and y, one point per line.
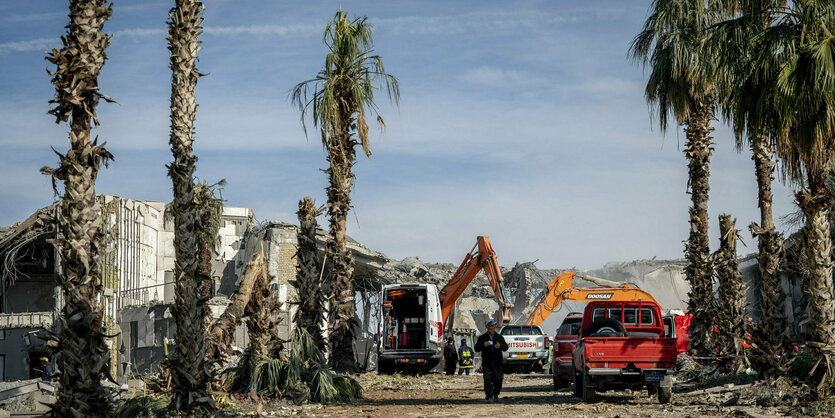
465	358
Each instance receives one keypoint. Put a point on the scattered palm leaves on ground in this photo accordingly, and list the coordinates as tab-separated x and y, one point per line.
302	376
142	406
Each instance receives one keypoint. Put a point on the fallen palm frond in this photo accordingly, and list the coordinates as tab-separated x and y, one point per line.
143	406
302	376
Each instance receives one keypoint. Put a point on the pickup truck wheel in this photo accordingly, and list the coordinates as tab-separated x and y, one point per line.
578	385
589	395
560	382
665	395
652	389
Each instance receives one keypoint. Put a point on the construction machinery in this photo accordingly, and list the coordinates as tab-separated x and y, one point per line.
480	257
562	288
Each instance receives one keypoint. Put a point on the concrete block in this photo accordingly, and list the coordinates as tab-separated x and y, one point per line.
40	401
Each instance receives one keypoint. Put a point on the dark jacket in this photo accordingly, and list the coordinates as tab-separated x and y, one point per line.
490	355
450	355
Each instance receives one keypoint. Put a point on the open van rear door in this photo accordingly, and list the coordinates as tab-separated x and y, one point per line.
433	313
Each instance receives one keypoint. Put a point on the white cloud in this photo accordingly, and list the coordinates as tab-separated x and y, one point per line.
42	44
467	22
502	77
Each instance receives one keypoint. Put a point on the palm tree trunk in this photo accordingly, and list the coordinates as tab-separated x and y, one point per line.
341	318
83	356
769	338
816	203
731	317
222	331
311	310
262	323
699	271
190	373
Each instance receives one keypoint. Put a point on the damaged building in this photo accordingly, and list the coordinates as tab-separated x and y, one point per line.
138	284
138	281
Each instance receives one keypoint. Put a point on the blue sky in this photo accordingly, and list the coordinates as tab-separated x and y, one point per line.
523	121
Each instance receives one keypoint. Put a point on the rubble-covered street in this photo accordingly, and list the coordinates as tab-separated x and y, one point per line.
532	395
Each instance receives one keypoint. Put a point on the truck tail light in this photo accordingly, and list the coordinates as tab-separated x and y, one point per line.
664	365
547	342
597	364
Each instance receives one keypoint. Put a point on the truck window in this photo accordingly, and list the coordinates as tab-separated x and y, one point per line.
521	330
570	328
630	316
511	331
647	318
531	331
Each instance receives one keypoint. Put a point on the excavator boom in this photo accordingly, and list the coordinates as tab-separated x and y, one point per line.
562	288
485	258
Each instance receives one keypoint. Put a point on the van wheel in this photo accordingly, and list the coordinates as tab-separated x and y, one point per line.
665	395
578	385
385	367
589	395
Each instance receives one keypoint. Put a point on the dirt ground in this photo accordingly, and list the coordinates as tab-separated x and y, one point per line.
527	395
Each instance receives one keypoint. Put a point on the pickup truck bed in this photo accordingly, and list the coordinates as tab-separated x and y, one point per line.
617	353
624	345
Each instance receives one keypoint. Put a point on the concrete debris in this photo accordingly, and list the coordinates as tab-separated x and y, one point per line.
527	283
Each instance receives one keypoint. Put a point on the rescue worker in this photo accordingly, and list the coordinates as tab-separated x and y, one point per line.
465	358
450	356
491	345
46	369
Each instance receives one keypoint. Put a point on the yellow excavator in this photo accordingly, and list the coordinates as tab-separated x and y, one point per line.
562	288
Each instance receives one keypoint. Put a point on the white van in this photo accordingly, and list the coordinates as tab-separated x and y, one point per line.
410	331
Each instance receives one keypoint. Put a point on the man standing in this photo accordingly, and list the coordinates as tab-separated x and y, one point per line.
465	358
450	356
491	345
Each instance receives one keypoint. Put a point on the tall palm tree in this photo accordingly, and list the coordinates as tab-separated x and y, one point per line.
83	355
671	43
311	309
341	97
748	104
731	315
189	371
794	58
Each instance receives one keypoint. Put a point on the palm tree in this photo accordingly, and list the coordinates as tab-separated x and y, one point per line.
341	96
311	310
83	355
189	371
748	104
209	201
672	44
794	59
731	315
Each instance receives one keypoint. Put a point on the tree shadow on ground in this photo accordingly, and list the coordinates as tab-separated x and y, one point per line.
457	401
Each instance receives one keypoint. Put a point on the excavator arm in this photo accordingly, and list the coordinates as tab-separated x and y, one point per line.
480	257
562	288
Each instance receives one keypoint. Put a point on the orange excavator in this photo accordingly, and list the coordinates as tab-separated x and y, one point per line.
484	258
562	288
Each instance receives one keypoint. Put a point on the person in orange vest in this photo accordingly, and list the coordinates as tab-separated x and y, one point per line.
465	358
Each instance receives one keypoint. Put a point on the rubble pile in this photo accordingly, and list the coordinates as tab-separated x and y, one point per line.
526	283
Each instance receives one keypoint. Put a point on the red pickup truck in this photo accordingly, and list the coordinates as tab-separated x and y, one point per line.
623	345
562	347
